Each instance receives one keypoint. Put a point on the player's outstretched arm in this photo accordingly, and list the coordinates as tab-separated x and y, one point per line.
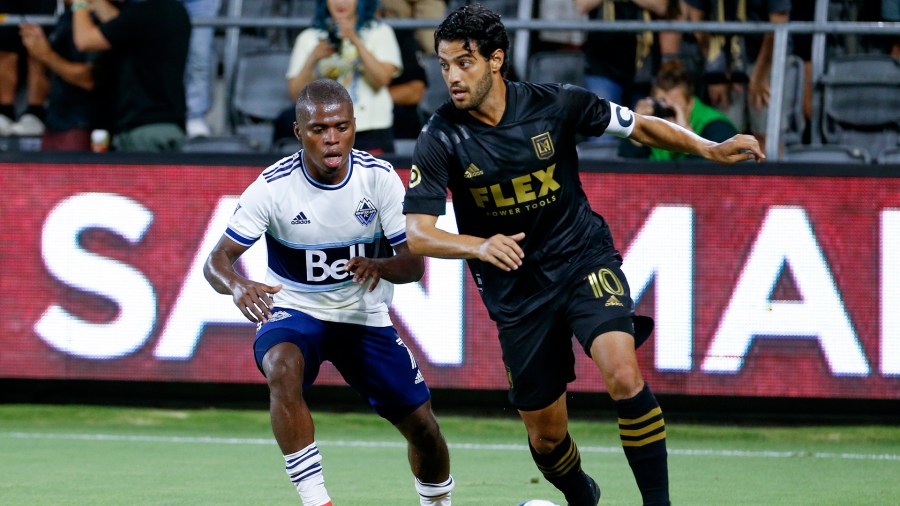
252	298
659	133
404	267
503	251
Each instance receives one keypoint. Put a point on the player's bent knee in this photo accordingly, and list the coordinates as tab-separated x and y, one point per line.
421	429
283	366
546	441
543	446
624	382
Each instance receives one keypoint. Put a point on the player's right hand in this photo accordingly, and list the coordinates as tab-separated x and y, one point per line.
503	251
255	300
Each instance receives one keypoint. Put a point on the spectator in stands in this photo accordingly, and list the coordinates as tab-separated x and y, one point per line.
408	89
559	40
346	43
72	111
32	120
198	75
417	9
734	61
672	98
617	71
149	44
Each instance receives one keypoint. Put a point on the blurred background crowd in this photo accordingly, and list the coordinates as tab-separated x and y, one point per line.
146	76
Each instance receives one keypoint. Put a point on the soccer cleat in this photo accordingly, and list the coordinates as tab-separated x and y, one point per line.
595	493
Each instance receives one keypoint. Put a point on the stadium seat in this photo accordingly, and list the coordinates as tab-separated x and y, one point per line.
794	122
829	153
404	147
260	93
556	67
221	144
890	156
861	102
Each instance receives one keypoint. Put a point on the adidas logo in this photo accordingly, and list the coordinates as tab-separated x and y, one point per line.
613	301
419	377
300	219
472	171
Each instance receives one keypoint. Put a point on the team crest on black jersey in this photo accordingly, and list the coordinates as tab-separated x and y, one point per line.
365	211
543	146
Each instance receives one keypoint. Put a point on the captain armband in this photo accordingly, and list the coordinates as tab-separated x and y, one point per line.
621	120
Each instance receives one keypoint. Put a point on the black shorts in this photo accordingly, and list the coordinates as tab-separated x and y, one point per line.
10	41
537	349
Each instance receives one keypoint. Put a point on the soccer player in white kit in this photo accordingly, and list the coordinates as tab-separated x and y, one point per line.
332	220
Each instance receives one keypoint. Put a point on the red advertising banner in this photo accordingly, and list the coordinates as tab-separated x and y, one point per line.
761	285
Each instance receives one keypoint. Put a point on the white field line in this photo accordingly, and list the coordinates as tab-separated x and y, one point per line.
453	446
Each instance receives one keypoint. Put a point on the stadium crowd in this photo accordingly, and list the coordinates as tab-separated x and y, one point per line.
59	83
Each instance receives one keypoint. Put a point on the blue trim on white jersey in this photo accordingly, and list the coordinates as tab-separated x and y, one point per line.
328	186
238	238
397	239
285	167
292	245
365	159
296	285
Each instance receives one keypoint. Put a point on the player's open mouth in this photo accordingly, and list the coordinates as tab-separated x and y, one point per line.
457	93
333	160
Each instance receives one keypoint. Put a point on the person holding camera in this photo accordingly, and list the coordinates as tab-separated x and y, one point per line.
349	45
672	98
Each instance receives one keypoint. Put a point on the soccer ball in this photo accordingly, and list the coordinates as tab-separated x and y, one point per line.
538	502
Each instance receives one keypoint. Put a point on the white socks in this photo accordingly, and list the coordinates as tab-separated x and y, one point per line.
304	468
434	494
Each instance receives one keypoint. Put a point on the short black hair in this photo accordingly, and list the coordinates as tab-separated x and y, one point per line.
319	92
475	23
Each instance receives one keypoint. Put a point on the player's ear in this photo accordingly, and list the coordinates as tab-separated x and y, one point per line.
496	59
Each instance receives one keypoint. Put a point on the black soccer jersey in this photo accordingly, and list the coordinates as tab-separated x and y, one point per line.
518	176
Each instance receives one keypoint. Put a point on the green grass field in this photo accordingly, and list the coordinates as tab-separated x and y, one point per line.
86	455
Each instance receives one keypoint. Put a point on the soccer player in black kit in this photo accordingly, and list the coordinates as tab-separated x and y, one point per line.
544	262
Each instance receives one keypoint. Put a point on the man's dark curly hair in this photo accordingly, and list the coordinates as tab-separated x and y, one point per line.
475	23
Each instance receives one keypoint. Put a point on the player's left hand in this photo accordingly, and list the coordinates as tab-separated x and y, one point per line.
364	270
739	148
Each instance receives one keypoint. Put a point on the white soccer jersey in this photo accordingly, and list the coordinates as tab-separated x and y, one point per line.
312	230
